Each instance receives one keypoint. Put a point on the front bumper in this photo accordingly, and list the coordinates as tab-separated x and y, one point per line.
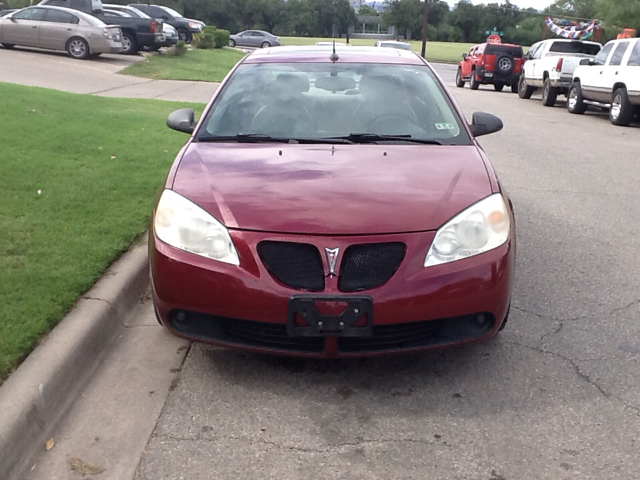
245	307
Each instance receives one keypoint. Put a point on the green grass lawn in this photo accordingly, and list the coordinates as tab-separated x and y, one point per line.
436	51
77	179
198	65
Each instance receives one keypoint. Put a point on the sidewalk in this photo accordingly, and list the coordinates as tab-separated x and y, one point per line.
97	77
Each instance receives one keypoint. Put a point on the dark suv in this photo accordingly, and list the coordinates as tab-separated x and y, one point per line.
497	63
186	27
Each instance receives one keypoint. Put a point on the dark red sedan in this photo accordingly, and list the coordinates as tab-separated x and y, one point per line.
332	204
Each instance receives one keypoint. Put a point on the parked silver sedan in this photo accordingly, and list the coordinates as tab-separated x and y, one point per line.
56	28
254	38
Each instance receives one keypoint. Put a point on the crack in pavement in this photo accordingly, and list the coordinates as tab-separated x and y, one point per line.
120	87
323	449
580	374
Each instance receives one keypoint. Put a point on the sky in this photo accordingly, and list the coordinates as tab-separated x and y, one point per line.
537	4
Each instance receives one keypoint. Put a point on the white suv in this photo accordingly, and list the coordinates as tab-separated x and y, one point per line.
611	80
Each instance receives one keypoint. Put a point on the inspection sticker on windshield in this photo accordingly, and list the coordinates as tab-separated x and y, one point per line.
445	126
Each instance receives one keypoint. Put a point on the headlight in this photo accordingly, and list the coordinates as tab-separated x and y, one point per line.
184	225
478	229
197	26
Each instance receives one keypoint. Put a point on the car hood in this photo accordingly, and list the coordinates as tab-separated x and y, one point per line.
338	190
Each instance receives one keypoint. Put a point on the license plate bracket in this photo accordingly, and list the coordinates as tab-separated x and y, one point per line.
359	310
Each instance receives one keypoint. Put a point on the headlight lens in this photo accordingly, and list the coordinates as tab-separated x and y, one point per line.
478	229
195	25
184	225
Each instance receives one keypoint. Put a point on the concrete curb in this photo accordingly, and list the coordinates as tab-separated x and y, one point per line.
41	391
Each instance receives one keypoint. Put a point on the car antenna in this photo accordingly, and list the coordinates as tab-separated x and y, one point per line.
334	56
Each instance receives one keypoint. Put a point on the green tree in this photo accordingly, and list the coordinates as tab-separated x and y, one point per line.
620	14
467	16
368	11
405	15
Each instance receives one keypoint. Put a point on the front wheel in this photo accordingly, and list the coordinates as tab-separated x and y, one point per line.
621	112
265	45
575	102
498	87
474	84
184	35
78	48
129	43
232	43
459	81
549	94
524	91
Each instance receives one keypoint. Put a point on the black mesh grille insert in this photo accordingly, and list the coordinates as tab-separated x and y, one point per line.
369	265
408	336
243	333
297	265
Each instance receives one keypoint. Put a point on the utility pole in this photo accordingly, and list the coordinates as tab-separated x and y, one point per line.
424	28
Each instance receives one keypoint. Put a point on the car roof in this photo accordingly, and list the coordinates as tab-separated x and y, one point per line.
84	16
321	53
499	44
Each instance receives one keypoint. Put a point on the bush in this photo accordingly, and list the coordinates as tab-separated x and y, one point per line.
205	39
179	50
221	38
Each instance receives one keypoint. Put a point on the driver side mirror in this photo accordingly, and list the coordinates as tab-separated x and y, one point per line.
464	56
182	120
586	61
484	123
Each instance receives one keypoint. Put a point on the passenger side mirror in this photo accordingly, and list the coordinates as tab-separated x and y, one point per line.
464	56
182	120
484	123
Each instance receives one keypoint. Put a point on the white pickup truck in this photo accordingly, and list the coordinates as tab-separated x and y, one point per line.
550	65
611	81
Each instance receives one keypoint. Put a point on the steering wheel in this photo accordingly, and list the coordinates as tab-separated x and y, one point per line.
393	119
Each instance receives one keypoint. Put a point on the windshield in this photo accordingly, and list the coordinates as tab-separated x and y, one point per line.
493	49
323	101
575	48
171	12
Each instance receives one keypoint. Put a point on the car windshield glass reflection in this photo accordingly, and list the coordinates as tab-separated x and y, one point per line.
360	103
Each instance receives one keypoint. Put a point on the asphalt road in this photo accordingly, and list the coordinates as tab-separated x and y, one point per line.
555	396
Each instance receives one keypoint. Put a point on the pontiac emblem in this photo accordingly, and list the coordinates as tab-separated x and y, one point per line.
332	259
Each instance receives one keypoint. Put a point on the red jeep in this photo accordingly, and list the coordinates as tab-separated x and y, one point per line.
496	63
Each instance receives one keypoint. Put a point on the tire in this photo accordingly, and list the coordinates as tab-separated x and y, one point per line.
129	43
265	45
514	87
474	83
504	64
506	319
78	48
232	43
524	91
459	81
575	101
549	94
184	35
498	87
621	112
8	45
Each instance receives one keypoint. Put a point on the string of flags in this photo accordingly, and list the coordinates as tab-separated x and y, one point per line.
572	30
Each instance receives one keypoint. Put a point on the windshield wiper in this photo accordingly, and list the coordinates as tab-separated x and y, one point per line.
262	138
374	138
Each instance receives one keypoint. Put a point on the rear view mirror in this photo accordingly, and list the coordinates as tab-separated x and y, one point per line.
335	84
182	120
585	61
484	124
